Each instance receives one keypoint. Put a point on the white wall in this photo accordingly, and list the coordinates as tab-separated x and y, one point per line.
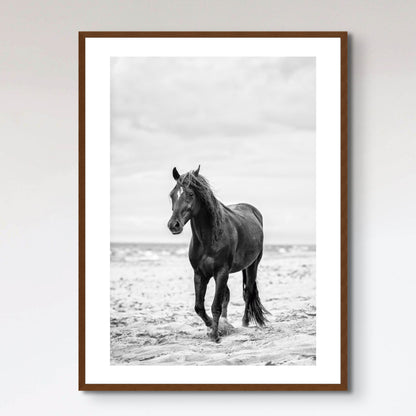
38	208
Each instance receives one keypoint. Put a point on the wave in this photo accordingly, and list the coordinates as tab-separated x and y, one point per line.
155	252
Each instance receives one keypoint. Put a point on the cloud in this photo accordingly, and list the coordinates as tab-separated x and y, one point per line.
250	123
191	96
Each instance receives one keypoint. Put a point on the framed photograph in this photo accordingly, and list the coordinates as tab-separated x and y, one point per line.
213	211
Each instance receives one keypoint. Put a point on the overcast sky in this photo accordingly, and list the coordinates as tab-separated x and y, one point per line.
249	122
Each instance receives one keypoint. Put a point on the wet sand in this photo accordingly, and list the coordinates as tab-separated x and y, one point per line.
153	320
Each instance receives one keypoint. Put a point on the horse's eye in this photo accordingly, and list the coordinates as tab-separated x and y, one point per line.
190	193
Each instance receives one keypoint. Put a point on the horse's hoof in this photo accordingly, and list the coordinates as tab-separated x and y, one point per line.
216	339
245	323
213	337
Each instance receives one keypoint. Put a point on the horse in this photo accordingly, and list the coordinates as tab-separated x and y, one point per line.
225	239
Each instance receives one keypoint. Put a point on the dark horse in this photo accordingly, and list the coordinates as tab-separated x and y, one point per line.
225	239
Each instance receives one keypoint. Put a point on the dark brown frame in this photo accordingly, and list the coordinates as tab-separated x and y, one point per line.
343	385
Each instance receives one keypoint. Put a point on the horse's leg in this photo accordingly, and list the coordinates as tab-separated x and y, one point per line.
226	299
245	297
221	279
249	282
200	283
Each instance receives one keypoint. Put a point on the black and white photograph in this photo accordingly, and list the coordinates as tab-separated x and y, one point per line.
213	211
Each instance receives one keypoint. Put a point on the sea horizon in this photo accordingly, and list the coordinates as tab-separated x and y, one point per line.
181	243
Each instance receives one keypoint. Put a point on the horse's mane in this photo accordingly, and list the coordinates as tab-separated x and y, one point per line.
203	191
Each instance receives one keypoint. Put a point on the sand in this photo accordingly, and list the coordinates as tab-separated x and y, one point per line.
153	320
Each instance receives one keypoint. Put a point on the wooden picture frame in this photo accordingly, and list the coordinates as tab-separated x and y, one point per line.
92	383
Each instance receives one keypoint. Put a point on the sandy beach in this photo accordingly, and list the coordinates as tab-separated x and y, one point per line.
153	320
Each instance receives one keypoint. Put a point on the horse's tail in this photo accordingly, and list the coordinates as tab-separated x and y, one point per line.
256	311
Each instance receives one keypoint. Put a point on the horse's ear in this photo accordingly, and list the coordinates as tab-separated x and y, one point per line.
175	174
196	172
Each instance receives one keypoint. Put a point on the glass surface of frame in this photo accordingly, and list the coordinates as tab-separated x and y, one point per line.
264	115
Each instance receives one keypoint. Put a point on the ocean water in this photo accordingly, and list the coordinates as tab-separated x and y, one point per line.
155	252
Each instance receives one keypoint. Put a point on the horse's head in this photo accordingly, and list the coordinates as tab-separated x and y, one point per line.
184	201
